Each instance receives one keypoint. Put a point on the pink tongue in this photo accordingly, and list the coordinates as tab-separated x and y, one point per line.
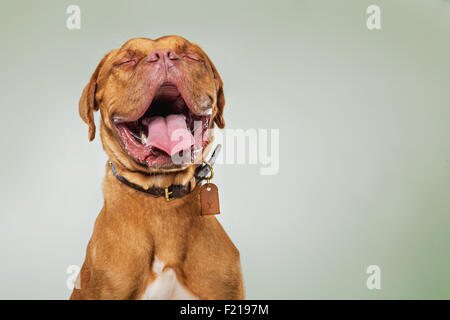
169	134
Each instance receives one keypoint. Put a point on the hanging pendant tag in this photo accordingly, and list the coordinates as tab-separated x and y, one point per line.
209	197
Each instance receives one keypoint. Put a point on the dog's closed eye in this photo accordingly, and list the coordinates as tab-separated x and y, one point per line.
126	61
193	57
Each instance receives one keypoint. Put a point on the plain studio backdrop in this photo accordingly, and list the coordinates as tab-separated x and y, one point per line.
364	123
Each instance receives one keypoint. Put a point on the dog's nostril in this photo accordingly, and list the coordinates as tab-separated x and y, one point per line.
171	55
154	56
160	54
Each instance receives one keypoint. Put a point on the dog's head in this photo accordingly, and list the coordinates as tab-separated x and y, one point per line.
157	99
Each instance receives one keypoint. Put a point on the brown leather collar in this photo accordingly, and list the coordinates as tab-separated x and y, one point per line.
174	191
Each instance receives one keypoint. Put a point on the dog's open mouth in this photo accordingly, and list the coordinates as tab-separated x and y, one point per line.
168	134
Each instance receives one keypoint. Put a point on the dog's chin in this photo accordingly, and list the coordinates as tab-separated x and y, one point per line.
168	136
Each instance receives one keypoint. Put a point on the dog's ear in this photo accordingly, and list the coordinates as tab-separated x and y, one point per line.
218	118
87	104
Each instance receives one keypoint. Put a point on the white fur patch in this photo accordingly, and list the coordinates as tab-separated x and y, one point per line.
166	285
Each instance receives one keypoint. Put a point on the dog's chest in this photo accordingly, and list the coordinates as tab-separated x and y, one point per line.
166	286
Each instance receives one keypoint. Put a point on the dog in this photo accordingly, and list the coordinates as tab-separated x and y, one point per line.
150	240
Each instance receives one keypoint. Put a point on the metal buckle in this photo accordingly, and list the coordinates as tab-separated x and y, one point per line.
211	173
167	194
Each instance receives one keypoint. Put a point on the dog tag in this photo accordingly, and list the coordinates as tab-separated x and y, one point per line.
209	197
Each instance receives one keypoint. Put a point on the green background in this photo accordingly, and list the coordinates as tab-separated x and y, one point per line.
364	119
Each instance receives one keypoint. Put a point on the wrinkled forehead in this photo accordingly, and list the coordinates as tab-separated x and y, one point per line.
144	46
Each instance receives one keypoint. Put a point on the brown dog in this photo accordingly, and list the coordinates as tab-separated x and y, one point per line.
144	246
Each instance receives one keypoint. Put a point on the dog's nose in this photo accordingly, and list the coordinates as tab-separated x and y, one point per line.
157	55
